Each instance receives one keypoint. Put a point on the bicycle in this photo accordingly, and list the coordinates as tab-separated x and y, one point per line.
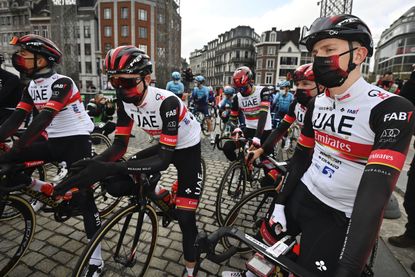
285	148
233	184
277	258
129	236
200	117
23	221
248	216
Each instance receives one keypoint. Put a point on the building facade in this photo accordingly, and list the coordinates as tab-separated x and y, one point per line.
395	51
220	57
278	55
152	25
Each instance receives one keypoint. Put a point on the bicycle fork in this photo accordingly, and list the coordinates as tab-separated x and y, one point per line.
128	259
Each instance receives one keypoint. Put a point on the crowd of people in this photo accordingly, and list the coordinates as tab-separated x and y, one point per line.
339	180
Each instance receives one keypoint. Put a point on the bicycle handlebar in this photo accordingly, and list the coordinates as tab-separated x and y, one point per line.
206	244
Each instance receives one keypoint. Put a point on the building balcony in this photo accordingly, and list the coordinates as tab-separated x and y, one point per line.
241	60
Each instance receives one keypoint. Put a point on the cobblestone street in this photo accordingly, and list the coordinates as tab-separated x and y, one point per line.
56	246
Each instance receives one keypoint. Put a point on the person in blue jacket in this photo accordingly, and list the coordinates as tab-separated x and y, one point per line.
200	97
281	102
175	85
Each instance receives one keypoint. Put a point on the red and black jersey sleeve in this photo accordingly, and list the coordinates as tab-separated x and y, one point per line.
170	114
392	122
301	159
122	136
10	126
278	133
235	109
263	111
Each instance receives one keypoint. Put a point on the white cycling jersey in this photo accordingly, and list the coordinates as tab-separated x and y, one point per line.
343	130
148	117
71	119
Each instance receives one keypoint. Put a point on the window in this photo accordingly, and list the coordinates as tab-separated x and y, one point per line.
142	15
259	64
36	30
246	55
88	67
161	18
258	78
124	13
107	31
271	50
143	47
87	31
260	51
270	64
87	49
268	78
107	13
124	31
142	32
273	37
288	60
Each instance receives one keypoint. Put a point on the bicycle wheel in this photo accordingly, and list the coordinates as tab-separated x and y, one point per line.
204	126
247	215
15	233
104	201
203	166
231	190
127	240
212	117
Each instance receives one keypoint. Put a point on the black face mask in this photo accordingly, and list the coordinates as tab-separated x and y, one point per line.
303	96
386	83
327	70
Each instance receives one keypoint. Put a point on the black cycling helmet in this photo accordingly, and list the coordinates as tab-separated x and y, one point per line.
39	45
128	59
344	26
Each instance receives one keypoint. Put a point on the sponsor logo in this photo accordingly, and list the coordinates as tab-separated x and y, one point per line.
390	133
188	191
325	108
328	171
172	124
378	93
381	156
171	113
136	60
160	97
352	111
321	266
399	116
59	86
333	32
324	121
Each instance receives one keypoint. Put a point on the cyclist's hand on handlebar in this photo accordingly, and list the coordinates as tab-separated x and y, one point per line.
256	144
253	155
277	220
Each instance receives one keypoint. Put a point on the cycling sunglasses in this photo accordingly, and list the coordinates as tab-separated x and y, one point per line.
119	82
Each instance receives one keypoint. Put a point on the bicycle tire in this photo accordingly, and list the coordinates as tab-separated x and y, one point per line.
111	244
8	239
105	202
248	214
203	167
223	206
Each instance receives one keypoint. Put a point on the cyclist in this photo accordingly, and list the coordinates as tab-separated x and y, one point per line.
306	89
61	115
226	103
201	98
281	102
175	85
10	92
352	147
158	112
253	102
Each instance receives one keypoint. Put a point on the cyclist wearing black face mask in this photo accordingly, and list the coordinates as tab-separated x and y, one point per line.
159	113
349	155
306	89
